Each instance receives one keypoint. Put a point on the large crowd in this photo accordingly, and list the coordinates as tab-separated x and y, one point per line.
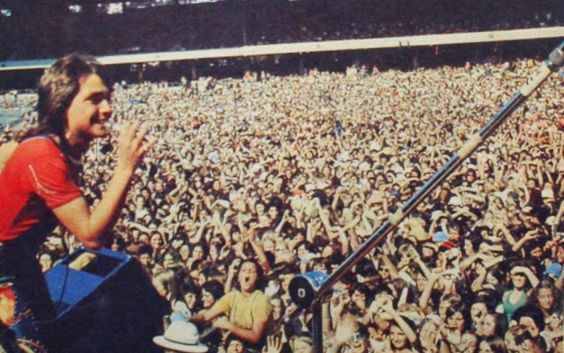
292	174
224	24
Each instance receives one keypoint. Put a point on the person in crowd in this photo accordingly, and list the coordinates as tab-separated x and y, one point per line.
492	344
522	280
301	343
45	260
245	310
545	296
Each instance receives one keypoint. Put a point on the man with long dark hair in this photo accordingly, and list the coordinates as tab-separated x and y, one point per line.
38	187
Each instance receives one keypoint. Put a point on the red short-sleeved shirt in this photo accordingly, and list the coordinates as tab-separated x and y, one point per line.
35	180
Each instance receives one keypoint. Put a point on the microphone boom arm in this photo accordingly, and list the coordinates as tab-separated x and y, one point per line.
552	64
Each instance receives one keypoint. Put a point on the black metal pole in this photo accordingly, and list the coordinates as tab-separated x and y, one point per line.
553	63
317	325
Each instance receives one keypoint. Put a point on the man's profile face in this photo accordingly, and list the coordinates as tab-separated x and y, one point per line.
89	111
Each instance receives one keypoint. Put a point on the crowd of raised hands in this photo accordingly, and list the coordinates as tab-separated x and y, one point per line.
297	171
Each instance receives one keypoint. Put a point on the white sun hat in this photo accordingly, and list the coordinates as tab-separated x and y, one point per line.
181	336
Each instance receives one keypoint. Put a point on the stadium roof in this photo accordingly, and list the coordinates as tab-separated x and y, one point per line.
310	47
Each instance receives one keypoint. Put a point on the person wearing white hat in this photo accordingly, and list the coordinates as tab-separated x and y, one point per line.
181	336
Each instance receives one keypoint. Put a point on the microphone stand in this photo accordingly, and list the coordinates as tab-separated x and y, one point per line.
552	64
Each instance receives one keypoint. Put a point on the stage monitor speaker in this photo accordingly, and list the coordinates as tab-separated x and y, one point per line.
105	303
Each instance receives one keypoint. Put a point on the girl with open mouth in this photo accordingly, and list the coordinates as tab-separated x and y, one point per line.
243	311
